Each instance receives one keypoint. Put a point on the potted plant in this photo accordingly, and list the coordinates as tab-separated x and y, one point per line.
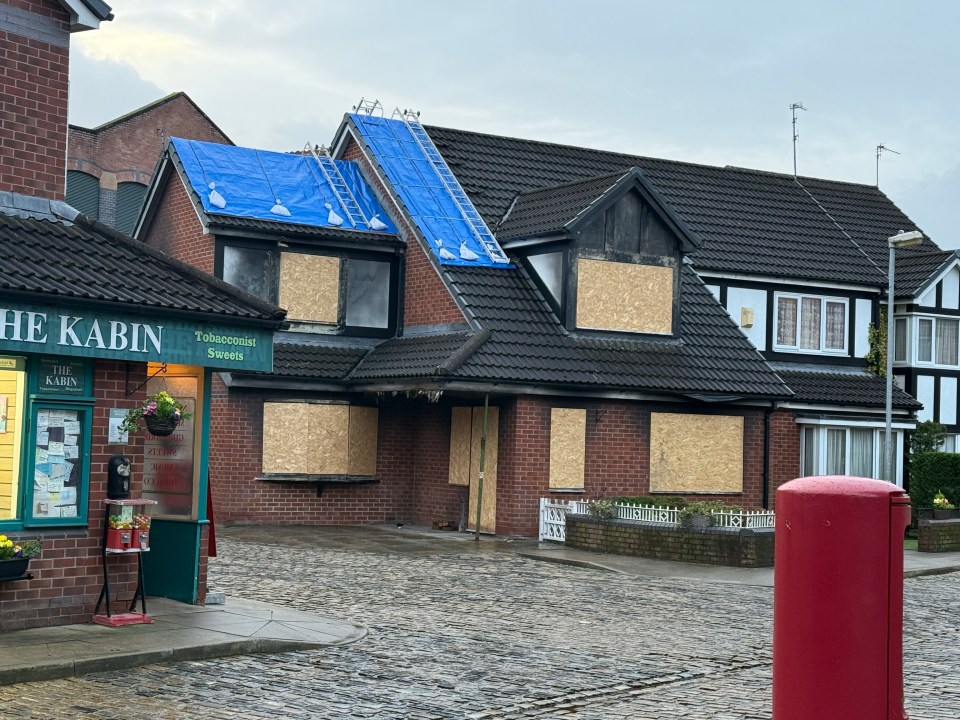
161	412
698	515
942	507
15	557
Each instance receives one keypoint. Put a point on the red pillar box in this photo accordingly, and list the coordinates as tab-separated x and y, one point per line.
838	600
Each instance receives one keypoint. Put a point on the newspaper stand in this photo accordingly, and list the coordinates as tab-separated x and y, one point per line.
123	541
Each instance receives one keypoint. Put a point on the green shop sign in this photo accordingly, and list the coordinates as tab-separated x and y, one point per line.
56	331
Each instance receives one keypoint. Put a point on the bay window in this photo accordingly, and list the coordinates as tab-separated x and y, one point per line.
836	450
938	341
809	323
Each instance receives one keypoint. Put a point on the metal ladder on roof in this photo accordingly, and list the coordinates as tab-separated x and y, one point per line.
338	184
476	224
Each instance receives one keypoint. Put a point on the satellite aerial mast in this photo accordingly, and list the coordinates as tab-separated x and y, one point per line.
793	110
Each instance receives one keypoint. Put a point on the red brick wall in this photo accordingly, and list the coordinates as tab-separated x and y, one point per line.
426	300
617	457
177	231
130	148
784	451
33	107
236	461
69	573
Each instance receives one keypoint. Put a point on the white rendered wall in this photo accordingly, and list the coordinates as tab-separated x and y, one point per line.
948	401
738	298
929	298
951	290
925	395
861	333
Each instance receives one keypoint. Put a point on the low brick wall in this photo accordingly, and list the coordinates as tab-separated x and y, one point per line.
938	536
713	546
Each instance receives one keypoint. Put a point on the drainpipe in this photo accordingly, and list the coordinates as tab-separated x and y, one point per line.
483	462
766	456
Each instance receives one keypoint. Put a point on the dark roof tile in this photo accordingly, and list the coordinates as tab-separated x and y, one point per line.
848	389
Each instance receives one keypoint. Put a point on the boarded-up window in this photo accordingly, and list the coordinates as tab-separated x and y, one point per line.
83	193
466	432
319	439
310	287
568	430
624	297
696	453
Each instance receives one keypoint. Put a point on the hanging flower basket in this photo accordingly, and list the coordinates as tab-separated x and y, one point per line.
161	412
15	558
160	426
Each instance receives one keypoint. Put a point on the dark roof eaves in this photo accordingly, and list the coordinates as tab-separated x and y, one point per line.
934	277
274	315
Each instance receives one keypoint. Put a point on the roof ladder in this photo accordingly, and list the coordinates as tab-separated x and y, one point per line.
335	180
477	226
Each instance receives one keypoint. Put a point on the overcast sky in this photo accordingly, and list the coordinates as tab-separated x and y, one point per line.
696	80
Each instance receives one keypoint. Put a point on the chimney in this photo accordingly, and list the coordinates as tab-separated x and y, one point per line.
34	66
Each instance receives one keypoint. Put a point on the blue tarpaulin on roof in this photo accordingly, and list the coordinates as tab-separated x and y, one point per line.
429	201
249	183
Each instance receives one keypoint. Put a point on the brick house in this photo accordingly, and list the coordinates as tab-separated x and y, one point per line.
110	166
92	321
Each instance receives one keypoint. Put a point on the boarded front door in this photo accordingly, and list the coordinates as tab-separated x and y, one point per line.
488	509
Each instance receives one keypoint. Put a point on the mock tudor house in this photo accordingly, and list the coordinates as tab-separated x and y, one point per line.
633	325
91	322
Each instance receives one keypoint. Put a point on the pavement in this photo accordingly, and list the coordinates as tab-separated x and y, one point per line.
244	626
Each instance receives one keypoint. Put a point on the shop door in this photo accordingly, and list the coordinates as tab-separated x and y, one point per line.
171	477
488	508
11	411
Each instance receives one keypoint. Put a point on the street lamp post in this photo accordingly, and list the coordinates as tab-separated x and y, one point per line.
900	240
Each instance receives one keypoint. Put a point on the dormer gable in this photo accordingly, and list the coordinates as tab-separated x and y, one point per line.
606	251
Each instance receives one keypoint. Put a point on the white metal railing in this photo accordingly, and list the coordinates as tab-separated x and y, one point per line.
755	519
553	517
647	513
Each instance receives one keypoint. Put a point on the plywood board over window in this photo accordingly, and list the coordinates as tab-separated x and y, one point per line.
319	439
696	453
624	297
568	433
310	287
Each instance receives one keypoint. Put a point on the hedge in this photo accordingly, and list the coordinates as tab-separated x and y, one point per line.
933	471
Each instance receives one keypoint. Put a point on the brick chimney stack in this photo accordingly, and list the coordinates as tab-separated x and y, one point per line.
34	66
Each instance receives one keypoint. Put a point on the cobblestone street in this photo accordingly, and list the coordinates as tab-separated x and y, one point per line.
459	631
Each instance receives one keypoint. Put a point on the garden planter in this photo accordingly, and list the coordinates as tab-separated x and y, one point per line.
14	568
941	514
699	522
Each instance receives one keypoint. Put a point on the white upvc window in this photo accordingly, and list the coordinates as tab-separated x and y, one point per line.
838	450
938	341
900	339
810	323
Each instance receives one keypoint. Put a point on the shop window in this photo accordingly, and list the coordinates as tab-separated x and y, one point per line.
129	199
808	323
12	399
83	193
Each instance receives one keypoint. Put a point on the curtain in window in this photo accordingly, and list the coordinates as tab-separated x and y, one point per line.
925	341
900	339
787	321
810	324
946	342
861	452
809	452
836	452
836	325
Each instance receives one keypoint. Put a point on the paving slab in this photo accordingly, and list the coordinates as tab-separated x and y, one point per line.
179	632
